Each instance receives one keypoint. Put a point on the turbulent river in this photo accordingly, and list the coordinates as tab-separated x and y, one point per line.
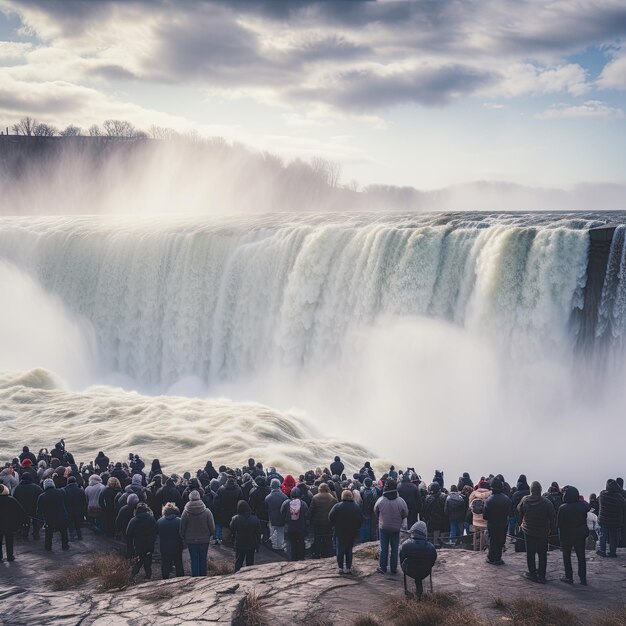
450	339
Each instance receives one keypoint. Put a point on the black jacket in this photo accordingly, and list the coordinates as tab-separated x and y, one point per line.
497	510
346	517
336	468
225	502
612	505
141	532
433	512
27	493
75	500
257	500
168	530
51	508
417	557
11	515
571	520
410	493
168	493
246	531
124	515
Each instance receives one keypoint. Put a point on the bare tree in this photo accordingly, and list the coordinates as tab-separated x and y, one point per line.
25	126
329	171
95	131
119	128
71	131
162	132
44	130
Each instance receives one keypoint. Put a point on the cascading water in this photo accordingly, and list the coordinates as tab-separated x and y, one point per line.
436	323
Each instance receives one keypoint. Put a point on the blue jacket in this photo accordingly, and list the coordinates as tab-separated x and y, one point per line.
168	530
417	557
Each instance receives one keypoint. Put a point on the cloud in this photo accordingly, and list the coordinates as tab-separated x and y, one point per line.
353	56
613	75
591	108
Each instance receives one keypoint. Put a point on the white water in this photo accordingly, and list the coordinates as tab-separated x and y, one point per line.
449	328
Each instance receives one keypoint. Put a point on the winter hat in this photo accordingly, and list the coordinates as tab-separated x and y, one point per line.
295	493
535	488
243	507
368	482
275	484
27	463
497	485
347	495
194	495
419	530
71	480
137	479
214	485
48	483
434	488
133	499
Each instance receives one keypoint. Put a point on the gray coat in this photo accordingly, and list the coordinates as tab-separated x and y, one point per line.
274	502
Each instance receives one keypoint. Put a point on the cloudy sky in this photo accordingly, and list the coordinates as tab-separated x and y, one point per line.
428	93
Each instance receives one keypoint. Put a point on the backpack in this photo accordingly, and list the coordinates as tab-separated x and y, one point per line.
477	506
368	501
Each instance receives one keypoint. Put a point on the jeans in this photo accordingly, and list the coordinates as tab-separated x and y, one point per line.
143	560
366	530
198	555
344	550
537	546
512	525
278	537
244	555
612	536
579	547
8	540
65	544
497	539
167	560
456	530
387	538
296	546
218	531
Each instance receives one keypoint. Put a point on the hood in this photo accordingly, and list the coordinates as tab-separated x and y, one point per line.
612	486
27	478
419	530
405	477
391	495
260	481
434	488
195	507
571	495
95	480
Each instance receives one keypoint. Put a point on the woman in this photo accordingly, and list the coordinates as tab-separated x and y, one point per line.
288	484
155	470
107	504
93	491
196	527
346	517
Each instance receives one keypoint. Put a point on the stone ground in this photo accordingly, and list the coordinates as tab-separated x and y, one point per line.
293	593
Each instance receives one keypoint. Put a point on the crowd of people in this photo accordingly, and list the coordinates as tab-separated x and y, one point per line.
251	506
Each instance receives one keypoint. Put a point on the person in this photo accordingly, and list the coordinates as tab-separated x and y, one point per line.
433	512
337	467
455	508
496	512
76	505
246	532
256	499
51	509
274	502
594	528
225	503
346	518
321	504
170	541
288	484
27	454
124	515
196	528
571	523
610	517
294	514
107	504
594	504
537	518
391	511
369	495
141	532
477	501
417	556
464	481
93	491
101	462
155	469
410	493
555	495
11	519
27	493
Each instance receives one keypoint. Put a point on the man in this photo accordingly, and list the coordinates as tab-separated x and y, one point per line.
433	513
76	505
346	519
496	512
11	518
51	508
258	493
170	541
455	508
611	517
294	514
27	493
369	495
274	502
246	532
141	533
391	511
337	467
571	523
321	505
417	556
537	519
410	493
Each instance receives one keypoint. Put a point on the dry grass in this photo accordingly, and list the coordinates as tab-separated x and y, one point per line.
219	568
615	616
369	552
250	611
499	603
365	620
434	609
531	612
112	570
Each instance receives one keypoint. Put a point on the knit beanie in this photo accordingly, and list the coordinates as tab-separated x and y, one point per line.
137	479
535	488
48	483
419	530
194	495
133	499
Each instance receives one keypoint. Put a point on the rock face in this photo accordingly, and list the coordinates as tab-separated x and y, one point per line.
296	593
